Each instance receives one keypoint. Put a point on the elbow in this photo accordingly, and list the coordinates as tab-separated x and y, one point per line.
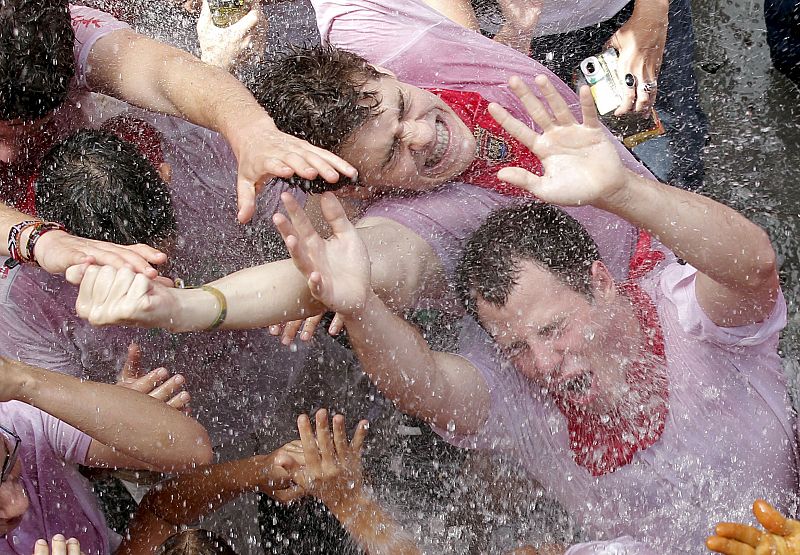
764	264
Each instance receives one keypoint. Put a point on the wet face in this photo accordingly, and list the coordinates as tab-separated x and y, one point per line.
13	498
558	337
416	144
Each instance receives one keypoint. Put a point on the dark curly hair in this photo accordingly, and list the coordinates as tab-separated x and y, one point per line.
101	187
36	58
542	233
320	94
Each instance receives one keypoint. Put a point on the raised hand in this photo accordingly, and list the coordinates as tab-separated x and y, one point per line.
330	465
337	269
781	536
110	296
264	152
581	165
56	251
157	383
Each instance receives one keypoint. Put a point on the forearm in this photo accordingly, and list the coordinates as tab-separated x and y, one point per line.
458	11
160	78
115	416
373	529
717	240
518	39
439	388
654	11
191	495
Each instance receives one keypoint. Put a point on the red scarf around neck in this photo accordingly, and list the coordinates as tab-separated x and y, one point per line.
495	149
604	443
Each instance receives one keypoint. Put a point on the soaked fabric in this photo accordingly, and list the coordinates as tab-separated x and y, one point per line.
236	378
427	50
61	500
728	438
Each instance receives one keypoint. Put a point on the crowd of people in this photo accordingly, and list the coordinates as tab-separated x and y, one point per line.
617	332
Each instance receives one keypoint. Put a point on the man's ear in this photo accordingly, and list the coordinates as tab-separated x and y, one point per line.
604	288
381	69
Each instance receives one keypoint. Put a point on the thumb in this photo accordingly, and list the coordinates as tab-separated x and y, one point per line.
132	369
246	198
75	273
772	521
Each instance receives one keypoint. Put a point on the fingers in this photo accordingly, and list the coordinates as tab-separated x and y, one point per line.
290	330
337	324
58	545
73	547
74	274
521	178
310	326
132	367
340	437
728	546
168	389
324	440
358	438
245	199
588	108
310	450
334	214
41	547
739	532
561	113
83	303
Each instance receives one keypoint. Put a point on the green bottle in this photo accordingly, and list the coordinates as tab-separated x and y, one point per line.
225	13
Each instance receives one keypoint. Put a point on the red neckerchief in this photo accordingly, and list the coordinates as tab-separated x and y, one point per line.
604	443
495	149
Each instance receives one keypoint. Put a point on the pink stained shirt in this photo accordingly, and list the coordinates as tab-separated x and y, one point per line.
425	49
728	438
237	378
61	500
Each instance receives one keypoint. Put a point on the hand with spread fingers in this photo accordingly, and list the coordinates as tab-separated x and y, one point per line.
157	383
581	165
337	269
781	535
289	330
58	546
329	467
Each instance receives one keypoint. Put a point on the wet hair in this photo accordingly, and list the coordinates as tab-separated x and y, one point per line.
492	261
196	542
36	57
101	187
320	94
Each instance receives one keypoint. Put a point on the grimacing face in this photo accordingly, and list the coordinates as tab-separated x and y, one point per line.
557	337
416	144
14	501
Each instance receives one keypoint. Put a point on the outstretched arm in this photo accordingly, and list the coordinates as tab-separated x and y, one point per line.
192	495
328	467
56	250
122	420
738	279
441	388
158	77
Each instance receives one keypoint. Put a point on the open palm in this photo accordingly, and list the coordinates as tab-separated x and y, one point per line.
337	269
581	165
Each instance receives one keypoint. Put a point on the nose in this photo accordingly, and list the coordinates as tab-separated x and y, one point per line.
547	358
418	135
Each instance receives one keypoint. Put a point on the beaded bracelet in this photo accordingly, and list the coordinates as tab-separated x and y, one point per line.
14	250
39	229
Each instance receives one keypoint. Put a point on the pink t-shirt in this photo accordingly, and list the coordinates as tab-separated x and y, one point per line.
728	437
427	50
237	378
61	500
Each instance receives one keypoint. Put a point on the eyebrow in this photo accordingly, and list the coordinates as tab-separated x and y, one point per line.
552	326
401	110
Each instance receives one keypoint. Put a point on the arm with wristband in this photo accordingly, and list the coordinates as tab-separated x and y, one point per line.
48	244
